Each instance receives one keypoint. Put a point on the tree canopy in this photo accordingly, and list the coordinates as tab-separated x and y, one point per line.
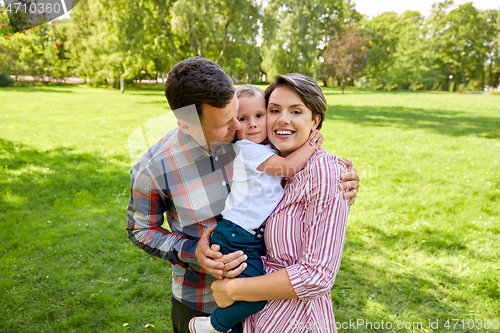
108	41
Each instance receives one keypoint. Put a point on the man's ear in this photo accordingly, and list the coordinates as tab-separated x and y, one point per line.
184	126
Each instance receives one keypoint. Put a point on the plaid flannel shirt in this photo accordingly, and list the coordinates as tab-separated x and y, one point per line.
184	181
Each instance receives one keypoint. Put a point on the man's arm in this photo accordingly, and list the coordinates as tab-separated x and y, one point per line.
145	213
350	182
145	219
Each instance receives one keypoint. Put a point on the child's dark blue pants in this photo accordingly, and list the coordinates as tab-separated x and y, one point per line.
233	238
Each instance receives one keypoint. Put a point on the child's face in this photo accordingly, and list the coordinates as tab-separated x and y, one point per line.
252	117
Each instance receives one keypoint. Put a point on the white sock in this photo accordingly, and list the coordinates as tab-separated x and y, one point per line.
201	325
209	326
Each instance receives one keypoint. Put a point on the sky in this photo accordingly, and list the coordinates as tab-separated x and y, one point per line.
373	8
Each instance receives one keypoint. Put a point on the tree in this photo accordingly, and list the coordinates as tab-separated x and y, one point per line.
295	33
94	43
122	39
38	52
413	61
224	31
462	40
345	56
412	51
492	71
384	38
6	30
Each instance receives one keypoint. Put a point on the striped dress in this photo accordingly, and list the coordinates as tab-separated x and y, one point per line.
305	235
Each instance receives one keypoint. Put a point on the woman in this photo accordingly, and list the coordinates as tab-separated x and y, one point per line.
305	234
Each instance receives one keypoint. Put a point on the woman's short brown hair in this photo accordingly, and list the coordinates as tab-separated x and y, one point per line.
308	90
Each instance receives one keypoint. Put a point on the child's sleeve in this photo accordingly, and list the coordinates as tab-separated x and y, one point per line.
253	154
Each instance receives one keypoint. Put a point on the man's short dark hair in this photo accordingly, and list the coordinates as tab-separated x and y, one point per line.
196	81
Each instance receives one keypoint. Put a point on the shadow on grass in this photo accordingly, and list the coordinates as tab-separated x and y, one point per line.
145	94
63	244
383	283
452	123
337	91
41	89
370	292
33	180
436	241
145	87
164	103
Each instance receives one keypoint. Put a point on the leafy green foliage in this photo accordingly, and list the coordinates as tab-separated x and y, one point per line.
40	51
461	39
295	34
383	31
5	80
107	42
6	30
414	52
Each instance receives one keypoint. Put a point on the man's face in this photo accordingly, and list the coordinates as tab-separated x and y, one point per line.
218	124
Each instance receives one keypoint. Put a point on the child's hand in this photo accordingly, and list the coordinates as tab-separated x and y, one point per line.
315	138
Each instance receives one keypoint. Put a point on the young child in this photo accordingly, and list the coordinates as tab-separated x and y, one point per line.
255	192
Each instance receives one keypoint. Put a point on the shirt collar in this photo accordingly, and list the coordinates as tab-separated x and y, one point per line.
194	150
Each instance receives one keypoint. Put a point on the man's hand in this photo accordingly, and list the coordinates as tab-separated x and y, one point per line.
350	182
216	264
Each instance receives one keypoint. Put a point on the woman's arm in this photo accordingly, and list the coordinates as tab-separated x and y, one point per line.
291	164
275	286
323	242
324	230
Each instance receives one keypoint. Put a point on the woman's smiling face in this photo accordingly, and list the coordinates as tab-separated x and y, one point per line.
289	121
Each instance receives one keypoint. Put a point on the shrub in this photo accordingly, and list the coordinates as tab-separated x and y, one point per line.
5	79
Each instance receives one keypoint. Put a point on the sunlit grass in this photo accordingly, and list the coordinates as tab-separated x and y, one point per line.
421	242
423	234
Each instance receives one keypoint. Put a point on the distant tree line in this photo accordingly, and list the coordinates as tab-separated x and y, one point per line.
108	41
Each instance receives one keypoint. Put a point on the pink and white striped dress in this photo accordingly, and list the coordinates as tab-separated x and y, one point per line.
305	234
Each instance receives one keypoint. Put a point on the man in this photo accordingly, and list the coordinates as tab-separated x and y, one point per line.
187	176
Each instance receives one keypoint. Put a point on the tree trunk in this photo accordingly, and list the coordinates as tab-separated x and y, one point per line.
224	42
194	45
483	76
167	32
343	84
202	46
491	83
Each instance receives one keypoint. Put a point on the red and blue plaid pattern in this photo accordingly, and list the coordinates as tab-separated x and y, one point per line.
183	181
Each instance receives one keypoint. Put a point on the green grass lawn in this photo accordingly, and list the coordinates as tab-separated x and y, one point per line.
422	241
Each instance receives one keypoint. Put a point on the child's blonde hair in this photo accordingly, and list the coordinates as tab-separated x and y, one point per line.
248	90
